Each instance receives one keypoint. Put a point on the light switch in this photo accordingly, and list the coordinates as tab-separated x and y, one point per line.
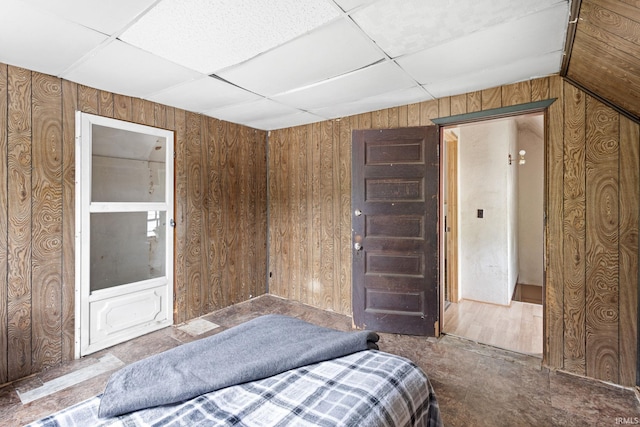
480	213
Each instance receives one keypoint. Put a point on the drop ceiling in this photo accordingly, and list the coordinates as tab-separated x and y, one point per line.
272	64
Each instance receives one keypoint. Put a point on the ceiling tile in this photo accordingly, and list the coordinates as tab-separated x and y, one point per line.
208	35
107	17
385	100
40	41
121	68
203	94
252	111
326	52
367	82
533	35
401	27
289	120
524	69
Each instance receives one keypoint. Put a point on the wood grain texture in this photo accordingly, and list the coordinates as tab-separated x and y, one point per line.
306	187
336	213
105	103
69	107
444	107
231	235
88	101
603	52
217	296
4	297
517	93
458	104
540	89
46	234
19	307
122	109
602	288
574	209
491	98
474	101
628	265
142	111
343	303
194	213
413	116
554	188
429	110
292	204
180	195
315	297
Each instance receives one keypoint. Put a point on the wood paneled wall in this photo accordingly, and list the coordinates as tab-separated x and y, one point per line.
592	198
220	239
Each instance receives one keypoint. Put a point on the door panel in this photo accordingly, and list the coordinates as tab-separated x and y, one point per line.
395	230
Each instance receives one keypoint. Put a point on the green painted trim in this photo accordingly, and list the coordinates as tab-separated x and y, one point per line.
530	107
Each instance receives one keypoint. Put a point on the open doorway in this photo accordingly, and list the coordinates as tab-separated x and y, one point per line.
493	231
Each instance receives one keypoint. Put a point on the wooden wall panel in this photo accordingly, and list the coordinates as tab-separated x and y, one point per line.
180	195
474	102
122	108
628	265
305	163
46	234
343	303
194	224
88	101
553	320
602	136
37	226
19	219
591	244
574	208
69	108
214	197
4	297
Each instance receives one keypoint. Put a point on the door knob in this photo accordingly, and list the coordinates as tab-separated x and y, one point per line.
357	246
358	212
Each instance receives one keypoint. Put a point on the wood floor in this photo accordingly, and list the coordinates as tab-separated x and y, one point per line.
475	384
516	328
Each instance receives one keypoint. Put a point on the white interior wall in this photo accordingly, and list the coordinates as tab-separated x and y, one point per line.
512	209
530	208
487	246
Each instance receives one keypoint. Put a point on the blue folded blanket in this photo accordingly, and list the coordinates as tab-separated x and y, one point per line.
257	349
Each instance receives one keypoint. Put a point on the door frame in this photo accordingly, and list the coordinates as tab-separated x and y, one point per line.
492	114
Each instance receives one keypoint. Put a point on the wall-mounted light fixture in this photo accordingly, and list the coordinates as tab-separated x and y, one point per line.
522	161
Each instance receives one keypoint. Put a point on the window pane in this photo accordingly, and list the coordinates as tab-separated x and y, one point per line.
127	166
127	247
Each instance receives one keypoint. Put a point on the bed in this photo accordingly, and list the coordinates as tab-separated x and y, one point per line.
288	373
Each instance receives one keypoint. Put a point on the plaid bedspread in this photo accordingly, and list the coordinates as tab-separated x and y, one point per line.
368	388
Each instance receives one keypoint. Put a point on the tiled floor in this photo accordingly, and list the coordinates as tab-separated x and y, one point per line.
476	385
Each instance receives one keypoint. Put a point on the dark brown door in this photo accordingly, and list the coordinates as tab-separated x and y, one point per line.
395	230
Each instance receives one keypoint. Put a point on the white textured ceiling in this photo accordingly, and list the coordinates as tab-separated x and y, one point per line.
272	64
